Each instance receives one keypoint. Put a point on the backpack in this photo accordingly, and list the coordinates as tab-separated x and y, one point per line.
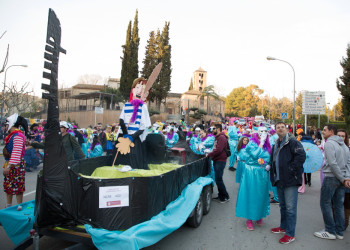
227	150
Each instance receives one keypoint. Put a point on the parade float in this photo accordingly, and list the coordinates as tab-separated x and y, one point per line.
85	200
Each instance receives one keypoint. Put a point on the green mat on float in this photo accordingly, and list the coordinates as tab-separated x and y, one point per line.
108	172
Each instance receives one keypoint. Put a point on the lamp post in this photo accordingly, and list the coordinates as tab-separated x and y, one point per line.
4	88
273	58
328	111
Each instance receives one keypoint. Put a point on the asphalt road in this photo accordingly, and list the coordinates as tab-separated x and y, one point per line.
221	229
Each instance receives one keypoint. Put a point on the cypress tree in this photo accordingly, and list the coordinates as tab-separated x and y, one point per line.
135	41
344	86
125	75
150	61
165	54
158	50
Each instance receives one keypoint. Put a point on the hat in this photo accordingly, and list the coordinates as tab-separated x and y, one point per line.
197	129
11	120
299	126
64	124
235	122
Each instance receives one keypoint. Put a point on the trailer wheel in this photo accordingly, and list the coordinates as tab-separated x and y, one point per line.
207	198
197	214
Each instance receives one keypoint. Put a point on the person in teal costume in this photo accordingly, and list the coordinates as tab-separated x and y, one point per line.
171	138
273	137
241	157
195	140
232	142
96	149
253	194
205	143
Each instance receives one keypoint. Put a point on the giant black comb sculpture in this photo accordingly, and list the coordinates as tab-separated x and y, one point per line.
53	206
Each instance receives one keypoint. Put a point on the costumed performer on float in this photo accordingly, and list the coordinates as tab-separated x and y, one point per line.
253	194
232	142
134	122
171	137
14	166
195	140
205	144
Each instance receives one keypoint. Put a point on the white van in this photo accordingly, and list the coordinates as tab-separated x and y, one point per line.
259	118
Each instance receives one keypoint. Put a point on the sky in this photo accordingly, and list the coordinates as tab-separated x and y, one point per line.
230	39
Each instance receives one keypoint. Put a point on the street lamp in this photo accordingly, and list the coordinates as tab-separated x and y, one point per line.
3	90
269	58
328	111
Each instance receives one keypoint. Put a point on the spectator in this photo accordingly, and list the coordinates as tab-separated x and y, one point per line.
102	136
70	144
337	175
14	166
219	158
109	140
287	158
343	134
96	149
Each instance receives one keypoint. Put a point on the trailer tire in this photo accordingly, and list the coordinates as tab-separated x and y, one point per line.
197	214
207	198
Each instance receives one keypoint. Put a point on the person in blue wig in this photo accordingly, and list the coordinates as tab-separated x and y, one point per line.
253	194
232	142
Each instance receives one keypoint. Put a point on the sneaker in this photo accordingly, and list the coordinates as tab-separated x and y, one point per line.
232	169
249	224
216	199
325	235
339	237
224	200
259	222
273	201
286	239
277	230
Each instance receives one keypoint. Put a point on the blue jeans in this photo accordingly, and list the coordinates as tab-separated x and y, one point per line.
332	190
219	167
288	199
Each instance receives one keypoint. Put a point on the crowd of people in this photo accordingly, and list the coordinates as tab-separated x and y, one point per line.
268	162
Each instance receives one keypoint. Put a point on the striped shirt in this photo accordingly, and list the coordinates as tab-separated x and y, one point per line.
17	150
142	121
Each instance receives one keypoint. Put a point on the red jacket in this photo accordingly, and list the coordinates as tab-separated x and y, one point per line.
219	149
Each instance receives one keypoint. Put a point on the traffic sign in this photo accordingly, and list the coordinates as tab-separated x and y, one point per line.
98	110
313	102
283	116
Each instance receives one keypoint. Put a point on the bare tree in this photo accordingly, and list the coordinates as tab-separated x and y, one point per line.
89	79
18	98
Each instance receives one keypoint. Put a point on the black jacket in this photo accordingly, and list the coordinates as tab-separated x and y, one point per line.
290	162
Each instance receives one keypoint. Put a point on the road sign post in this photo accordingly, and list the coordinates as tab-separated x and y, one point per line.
284	116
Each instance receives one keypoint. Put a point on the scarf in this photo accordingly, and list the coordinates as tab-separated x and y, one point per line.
170	136
20	133
136	103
